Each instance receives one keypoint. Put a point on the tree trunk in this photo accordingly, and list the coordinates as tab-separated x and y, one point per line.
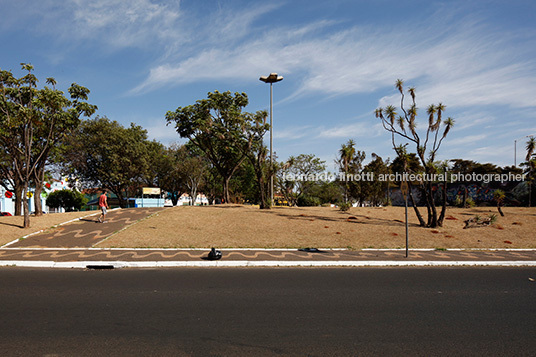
428	206
18	200
226	189
444	206
37	200
500	209
26	210
39	181
174	198
415	208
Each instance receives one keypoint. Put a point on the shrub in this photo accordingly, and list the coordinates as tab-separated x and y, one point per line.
308	201
71	200
344	206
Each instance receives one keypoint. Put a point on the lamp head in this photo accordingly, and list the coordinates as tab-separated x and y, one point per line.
272	78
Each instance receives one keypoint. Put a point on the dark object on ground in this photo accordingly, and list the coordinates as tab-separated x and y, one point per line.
100	267
477	221
311	250
214	254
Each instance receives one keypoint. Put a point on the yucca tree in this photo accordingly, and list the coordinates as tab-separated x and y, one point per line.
499	197
531	163
404	157
531	148
404	125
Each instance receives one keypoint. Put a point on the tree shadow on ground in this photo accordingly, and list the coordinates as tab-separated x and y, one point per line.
11	225
345	217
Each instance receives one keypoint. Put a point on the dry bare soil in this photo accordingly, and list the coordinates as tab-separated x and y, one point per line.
233	226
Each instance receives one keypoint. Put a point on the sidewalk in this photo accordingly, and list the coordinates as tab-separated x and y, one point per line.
71	246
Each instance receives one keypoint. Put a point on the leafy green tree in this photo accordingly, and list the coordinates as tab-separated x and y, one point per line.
376	189
298	175
33	121
103	153
216	126
193	168
327	192
427	145
256	128
70	200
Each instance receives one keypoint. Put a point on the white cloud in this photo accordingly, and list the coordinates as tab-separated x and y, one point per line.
115	23
501	155
164	133
355	130
465	140
461	63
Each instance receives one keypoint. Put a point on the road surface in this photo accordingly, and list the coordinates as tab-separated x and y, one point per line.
264	311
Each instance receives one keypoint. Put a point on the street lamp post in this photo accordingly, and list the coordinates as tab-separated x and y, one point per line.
272	78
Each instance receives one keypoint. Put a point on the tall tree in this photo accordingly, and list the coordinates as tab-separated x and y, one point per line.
531	164
408	163
33	121
531	148
256	128
376	188
350	163
105	154
346	156
216	125
427	146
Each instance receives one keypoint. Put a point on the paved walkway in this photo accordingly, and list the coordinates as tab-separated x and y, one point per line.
70	245
85	232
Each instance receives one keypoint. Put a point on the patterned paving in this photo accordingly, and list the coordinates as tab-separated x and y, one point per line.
86	232
72	242
74	255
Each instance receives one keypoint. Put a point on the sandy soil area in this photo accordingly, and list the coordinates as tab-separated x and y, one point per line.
229	226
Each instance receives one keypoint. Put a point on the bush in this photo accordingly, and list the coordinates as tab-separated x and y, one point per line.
344	206
308	201
71	200
469	202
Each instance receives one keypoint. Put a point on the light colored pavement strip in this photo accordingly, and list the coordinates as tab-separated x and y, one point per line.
239	263
153	258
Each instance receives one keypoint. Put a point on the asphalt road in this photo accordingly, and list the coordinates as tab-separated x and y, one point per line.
316	312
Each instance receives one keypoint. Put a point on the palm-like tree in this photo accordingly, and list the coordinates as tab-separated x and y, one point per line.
531	163
531	147
346	155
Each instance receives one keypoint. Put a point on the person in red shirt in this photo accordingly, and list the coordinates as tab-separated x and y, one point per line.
103	204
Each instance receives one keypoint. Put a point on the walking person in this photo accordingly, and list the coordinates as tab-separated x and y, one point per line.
103	204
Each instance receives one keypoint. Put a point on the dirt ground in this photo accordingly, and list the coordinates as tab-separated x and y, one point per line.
11	226
232	226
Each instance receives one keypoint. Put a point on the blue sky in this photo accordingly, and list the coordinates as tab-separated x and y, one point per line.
339	58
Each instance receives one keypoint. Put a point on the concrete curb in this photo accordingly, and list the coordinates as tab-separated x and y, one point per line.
267	263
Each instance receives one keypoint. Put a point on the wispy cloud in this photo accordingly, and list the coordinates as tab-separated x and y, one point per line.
115	23
355	130
466	140
459	62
